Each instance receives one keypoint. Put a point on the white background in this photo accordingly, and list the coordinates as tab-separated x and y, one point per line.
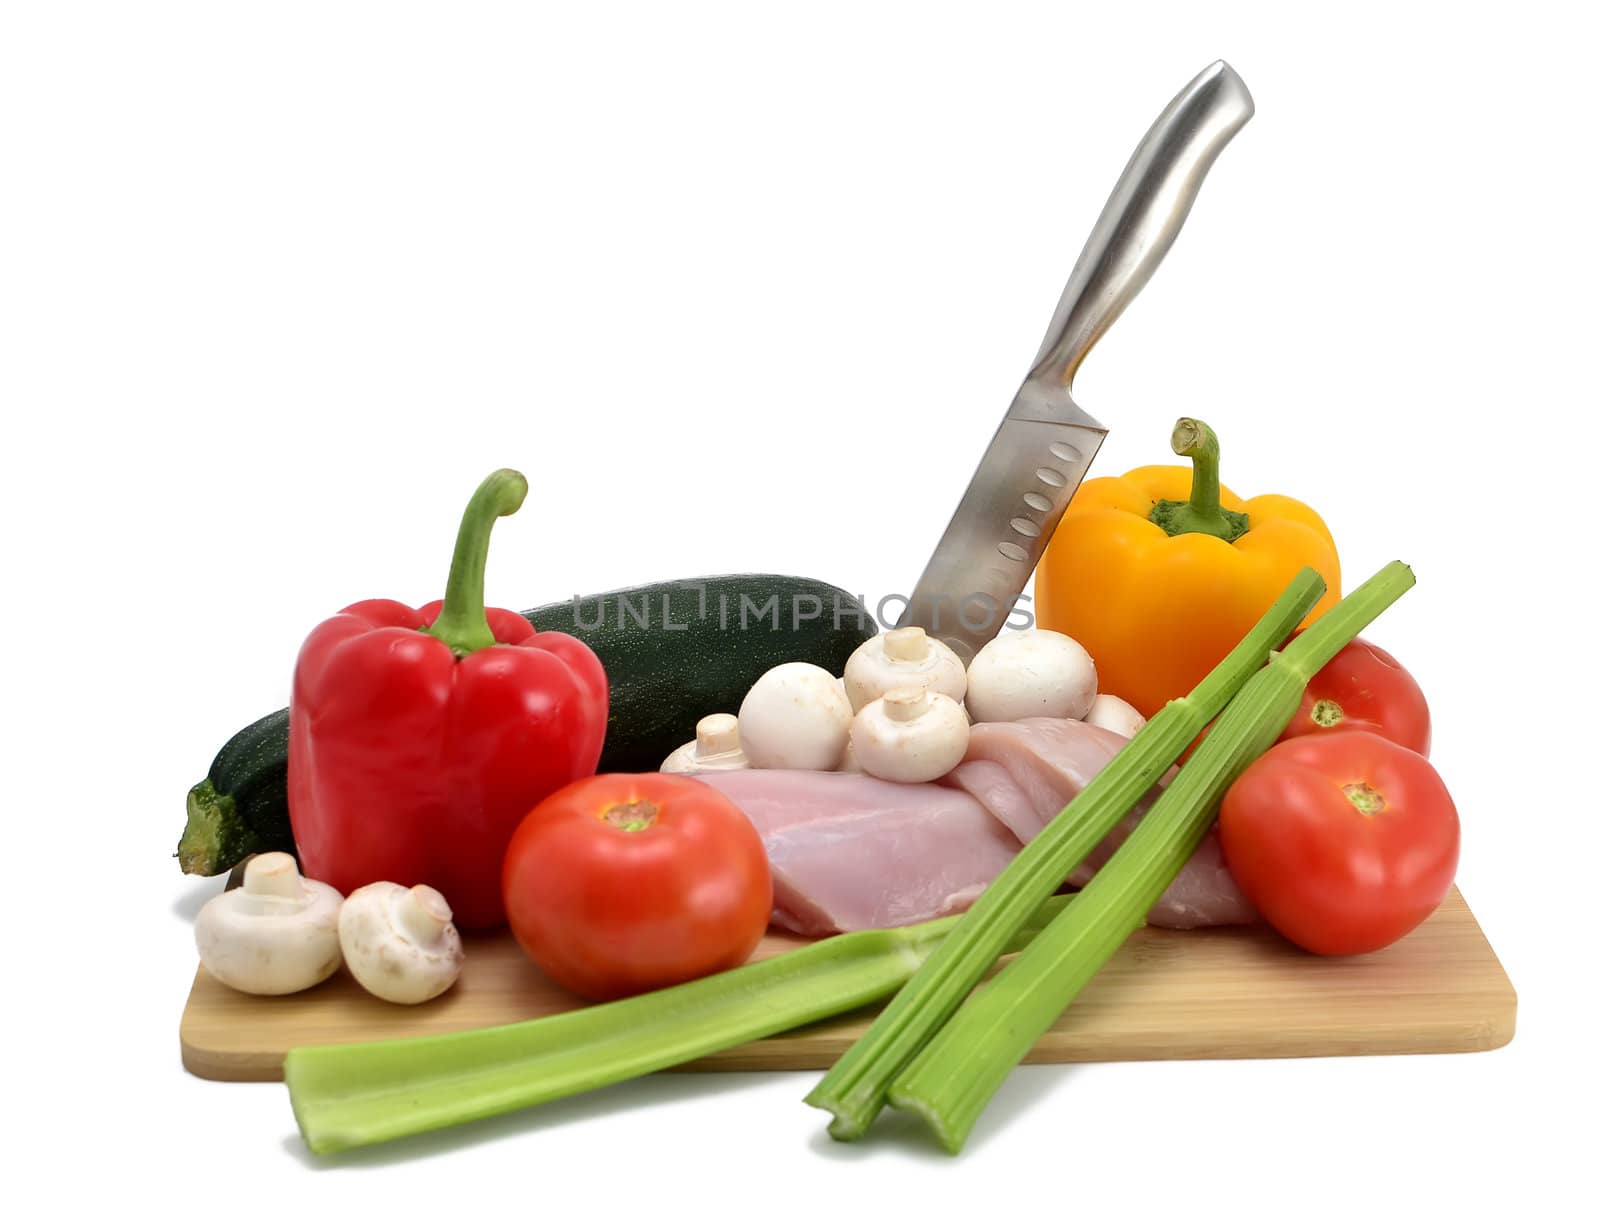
747	290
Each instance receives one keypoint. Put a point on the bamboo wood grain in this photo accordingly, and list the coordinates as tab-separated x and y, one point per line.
1230	993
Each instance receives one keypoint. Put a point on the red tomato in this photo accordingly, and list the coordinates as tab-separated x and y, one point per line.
1363	688
1344	842
620	884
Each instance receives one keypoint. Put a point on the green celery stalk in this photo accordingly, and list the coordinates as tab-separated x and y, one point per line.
855	1088
952	1079
348	1096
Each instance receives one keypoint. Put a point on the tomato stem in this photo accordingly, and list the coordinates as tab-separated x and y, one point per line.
632	816
1327	713
1365	798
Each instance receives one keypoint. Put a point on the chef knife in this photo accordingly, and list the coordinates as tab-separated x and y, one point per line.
1045	443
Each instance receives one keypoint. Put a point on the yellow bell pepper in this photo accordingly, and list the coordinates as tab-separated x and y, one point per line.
1160	572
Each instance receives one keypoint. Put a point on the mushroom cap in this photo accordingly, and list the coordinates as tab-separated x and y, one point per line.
795	716
1115	714
910	735
399	942
1038	673
275	934
902	658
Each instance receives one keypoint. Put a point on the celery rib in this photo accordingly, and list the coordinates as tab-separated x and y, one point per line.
370	1092
950	1081
855	1089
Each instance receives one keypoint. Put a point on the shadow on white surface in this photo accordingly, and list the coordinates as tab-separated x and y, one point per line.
905	1132
631	1096
200	892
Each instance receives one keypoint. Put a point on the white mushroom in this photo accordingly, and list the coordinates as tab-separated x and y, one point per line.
795	717
902	658
275	934
399	942
1114	714
909	735
715	747
1033	674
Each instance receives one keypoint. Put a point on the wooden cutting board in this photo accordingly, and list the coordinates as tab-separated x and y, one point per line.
1223	993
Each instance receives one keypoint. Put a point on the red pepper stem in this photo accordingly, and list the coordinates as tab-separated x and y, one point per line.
462	624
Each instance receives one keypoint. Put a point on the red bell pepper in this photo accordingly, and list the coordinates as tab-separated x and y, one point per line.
419	738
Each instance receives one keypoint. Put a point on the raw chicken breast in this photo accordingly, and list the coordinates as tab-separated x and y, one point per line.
1203	895
1025	771
850	851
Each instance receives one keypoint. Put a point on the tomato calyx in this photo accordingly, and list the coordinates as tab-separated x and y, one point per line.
1327	713
1365	798
631	816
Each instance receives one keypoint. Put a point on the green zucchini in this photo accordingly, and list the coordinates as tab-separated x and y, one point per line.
676	651
673	652
242	806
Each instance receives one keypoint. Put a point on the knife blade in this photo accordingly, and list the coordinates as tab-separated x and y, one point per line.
1046	442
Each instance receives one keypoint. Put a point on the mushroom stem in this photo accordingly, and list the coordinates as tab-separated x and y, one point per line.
717	734
909	644
423	914
716	747
906	704
272	875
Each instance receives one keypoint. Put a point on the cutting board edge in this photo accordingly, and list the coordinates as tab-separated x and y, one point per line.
1490	1026
229	1066
787	1055
265	1066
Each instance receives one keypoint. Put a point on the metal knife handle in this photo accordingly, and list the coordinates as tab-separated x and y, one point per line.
1143	215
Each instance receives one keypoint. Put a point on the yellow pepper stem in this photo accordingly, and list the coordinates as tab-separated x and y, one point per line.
1203	512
